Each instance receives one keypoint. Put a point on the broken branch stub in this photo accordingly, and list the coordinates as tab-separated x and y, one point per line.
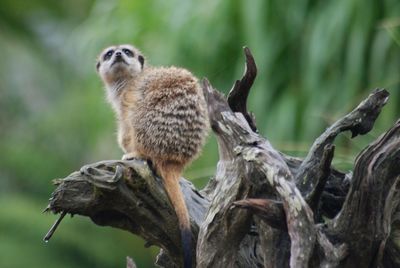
237	98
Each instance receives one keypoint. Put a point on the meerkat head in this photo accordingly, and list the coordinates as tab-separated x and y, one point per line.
117	64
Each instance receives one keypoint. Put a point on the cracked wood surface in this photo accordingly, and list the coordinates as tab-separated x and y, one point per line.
262	208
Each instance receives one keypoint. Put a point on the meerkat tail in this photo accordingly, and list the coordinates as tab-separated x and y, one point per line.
171	172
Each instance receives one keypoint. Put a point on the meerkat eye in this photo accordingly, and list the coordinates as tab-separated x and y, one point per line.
128	52
108	54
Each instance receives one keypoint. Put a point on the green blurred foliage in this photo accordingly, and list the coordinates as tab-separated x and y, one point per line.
316	60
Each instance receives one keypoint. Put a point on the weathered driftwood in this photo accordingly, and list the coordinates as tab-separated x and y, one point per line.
262	208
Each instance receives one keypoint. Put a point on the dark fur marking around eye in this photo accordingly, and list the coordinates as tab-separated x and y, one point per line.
128	52
108	55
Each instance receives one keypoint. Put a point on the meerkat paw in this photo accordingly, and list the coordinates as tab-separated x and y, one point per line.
129	156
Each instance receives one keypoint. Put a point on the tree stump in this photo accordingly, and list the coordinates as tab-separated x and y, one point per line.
262	208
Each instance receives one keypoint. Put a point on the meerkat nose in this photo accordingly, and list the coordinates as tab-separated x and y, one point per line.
118	54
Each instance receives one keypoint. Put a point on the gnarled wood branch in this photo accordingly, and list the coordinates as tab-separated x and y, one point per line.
262	208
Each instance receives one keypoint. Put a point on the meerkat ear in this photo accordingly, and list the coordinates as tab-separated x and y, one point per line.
97	66
141	60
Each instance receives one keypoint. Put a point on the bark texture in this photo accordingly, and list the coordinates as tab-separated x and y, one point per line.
262	208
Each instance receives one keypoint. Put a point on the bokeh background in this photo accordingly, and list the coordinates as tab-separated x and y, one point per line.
316	60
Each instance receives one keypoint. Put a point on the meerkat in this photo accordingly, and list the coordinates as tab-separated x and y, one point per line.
162	116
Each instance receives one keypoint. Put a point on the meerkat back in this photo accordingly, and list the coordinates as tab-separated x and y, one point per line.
171	122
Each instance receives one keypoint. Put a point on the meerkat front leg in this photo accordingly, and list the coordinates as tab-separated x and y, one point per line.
125	140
